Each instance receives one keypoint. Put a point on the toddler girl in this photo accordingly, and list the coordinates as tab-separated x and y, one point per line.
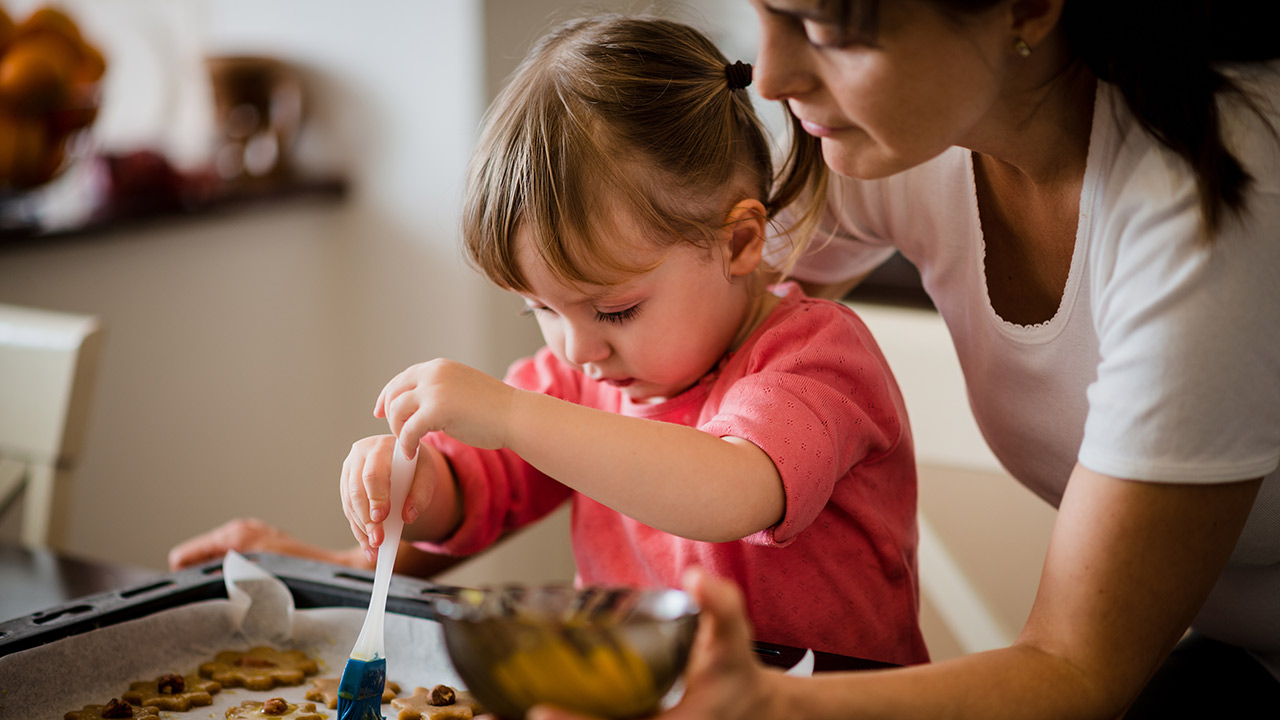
690	415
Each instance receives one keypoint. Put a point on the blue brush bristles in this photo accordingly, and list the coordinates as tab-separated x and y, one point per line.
360	689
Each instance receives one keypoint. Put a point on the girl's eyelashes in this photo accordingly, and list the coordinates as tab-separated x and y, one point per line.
529	310
619	316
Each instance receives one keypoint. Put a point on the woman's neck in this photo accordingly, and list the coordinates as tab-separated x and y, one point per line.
1040	130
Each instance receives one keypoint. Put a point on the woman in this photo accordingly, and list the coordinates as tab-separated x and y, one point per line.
1094	210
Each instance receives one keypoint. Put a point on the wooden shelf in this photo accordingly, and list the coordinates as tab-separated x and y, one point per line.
151	206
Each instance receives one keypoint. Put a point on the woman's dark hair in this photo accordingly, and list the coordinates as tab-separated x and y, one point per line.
1165	57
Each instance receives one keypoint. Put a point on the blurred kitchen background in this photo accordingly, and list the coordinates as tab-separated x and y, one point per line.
260	273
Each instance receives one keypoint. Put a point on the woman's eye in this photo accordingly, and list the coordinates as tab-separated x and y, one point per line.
535	309
826	34
619	316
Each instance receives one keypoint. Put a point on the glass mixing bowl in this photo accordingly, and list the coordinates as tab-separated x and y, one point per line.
611	652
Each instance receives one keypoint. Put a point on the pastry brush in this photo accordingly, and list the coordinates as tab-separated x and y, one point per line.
365	676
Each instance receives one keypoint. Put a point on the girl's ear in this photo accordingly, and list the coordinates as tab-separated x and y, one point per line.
746	226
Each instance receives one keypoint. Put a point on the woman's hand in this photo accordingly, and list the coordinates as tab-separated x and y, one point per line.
441	395
366	493
723	679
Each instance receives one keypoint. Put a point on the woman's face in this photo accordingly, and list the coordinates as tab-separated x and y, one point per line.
927	83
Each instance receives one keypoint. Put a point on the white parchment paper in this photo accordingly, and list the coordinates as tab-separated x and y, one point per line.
45	682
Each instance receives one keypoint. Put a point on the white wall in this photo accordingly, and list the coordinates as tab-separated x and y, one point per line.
242	354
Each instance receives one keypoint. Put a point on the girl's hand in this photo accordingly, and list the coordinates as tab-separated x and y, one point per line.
441	395
366	489
252	535
723	679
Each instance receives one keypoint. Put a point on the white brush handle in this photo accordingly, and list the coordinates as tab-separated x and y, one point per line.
370	643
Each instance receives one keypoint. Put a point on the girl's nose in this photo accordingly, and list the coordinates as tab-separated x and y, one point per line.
584	345
780	71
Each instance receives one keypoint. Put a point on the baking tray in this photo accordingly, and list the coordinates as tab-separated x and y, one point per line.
313	584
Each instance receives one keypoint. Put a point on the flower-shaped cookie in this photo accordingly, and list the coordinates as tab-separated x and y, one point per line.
431	704
273	709
172	692
261	668
325	690
114	709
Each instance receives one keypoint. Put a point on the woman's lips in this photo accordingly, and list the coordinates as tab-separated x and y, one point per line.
620	382
816	129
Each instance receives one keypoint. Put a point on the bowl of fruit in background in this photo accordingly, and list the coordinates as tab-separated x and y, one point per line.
50	81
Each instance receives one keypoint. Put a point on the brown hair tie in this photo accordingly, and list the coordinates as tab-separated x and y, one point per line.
738	74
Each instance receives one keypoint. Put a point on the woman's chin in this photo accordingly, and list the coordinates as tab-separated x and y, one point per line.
866	161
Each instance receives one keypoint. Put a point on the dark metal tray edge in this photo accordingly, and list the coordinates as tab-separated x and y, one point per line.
313	584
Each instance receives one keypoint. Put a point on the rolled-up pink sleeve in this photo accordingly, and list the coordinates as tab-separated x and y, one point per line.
816	409
501	492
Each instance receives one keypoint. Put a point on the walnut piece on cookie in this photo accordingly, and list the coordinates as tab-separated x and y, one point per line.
261	668
172	692
274	709
325	690
115	708
419	706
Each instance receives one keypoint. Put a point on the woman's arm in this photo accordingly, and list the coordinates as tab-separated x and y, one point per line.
1129	564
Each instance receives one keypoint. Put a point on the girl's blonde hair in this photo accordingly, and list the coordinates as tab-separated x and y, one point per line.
614	118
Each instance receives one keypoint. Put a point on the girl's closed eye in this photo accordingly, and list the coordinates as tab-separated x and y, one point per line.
530	310
619	316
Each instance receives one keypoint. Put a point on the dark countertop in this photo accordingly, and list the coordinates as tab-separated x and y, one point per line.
34	580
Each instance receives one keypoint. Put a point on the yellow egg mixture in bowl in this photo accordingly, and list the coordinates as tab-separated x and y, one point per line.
612	652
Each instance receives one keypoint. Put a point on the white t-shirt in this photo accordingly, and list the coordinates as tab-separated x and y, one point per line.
1163	360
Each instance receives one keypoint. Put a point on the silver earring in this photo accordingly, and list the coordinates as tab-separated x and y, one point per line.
1021	47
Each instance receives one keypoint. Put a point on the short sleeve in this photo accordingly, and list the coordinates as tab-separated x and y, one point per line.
819	400
1188	383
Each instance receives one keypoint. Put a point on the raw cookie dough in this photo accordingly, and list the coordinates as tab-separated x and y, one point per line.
261	668
418	706
325	690
172	692
94	712
253	710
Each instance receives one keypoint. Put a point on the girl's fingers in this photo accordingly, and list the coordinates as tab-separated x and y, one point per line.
423	487
410	434
348	509
361	538
355	501
375	479
396	387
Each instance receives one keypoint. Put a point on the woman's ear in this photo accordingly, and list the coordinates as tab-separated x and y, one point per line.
1033	20
746	229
